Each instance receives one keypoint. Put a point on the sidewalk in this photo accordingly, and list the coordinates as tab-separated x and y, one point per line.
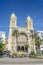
20	61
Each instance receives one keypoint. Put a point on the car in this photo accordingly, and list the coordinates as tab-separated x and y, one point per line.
1	54
6	53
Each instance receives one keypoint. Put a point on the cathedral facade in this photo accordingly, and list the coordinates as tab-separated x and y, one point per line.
20	39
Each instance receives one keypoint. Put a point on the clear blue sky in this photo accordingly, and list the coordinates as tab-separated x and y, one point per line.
22	9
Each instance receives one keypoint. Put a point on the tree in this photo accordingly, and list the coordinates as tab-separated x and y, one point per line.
2	46
32	34
26	47
15	33
37	40
37	43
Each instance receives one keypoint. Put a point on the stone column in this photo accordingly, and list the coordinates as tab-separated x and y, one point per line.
9	43
10	39
14	44
29	48
34	46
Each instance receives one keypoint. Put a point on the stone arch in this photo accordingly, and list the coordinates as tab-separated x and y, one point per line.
23	33
22	38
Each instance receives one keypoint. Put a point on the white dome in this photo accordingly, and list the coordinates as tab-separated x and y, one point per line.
28	18
13	15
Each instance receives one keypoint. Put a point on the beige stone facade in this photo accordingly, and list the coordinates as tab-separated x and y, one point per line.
17	43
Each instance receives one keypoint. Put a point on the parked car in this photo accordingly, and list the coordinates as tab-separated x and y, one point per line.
1	54
6	53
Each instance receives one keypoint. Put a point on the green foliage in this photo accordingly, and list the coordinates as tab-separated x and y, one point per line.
32	34
26	45
2	46
15	32
37	40
32	52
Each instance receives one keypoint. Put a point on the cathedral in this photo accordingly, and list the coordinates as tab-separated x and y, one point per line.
20	38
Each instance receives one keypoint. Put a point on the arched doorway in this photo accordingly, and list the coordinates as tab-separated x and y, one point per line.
26	49
22	48
18	48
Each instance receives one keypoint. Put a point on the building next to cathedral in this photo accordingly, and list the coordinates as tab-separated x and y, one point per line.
22	39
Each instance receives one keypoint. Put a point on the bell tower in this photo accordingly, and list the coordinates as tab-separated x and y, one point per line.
29	23
12	26
13	20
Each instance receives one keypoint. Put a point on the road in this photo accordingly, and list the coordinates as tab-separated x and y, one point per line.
19	61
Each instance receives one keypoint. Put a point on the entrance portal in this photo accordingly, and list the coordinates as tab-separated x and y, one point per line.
22	39
18	48
22	48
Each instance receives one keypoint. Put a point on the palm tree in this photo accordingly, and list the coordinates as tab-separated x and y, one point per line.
37	39
37	42
15	33
26	47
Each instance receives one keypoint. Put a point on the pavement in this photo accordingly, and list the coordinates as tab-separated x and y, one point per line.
19	61
21	64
